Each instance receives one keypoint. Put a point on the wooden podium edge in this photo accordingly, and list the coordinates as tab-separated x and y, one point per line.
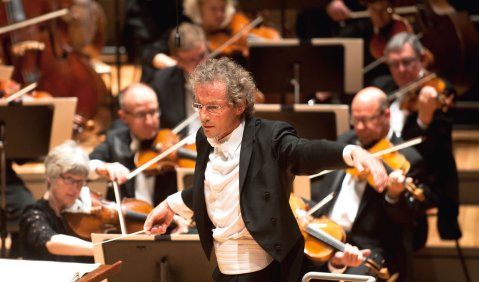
102	272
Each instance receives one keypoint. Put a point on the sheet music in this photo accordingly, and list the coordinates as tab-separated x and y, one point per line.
31	270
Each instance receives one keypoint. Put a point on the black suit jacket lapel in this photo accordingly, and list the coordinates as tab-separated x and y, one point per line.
203	222
247	143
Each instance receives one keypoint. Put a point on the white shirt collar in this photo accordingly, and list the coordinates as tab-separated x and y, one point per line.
230	143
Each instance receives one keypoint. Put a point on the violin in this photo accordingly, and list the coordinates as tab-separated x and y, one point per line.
408	95
321	248
165	139
239	46
103	217
392	161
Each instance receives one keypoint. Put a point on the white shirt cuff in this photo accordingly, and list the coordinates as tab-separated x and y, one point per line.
390	200
94	164
176	204
333	269
348	159
421	124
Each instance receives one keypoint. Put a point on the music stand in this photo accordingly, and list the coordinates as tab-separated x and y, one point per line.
310	121
173	258
25	134
304	67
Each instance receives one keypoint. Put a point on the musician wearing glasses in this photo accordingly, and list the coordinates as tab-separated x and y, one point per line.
243	178
423	112
381	222
114	158
171	84
43	232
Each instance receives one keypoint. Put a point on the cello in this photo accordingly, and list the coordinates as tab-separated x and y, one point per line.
39	53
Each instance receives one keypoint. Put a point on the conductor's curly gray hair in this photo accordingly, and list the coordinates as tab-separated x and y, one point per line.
240	86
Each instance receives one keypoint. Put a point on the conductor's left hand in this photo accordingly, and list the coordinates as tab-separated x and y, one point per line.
159	219
366	163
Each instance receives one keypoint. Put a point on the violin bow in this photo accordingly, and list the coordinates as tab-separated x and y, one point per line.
398	147
320	204
236	36
21	92
32	21
185	123
165	153
399	93
118	208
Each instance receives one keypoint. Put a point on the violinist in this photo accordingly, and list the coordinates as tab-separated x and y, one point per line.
380	221
114	158
171	84
375	30
405	57
220	21
210	15
43	232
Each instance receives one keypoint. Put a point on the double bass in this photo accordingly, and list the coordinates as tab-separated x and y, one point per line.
39	53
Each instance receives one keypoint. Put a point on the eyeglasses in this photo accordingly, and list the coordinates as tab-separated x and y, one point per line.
143	115
365	120
405	62
210	108
72	182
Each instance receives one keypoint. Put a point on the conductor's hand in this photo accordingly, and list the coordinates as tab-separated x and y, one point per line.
366	163
351	256
159	219
113	171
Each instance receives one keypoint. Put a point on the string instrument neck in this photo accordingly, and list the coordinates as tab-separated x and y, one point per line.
373	266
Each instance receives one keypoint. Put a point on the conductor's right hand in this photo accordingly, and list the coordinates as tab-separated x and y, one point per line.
159	219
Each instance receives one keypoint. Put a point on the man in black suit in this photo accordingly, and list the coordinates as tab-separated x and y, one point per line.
170	84
243	178
406	58
383	221
114	157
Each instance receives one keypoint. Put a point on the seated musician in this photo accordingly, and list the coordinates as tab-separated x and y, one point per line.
114	158
219	21
171	84
381	222
376	30
43	233
420	112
